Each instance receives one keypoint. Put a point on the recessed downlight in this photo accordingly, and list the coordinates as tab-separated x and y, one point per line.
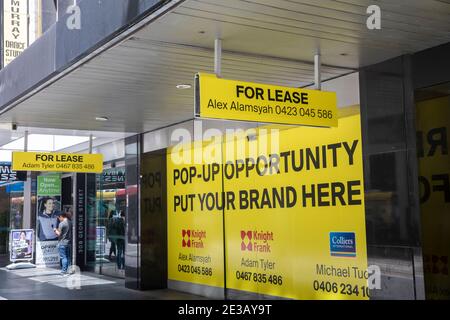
101	118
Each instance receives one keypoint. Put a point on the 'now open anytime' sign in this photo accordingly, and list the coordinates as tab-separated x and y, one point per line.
61	162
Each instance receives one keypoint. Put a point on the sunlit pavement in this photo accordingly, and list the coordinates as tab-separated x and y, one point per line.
45	283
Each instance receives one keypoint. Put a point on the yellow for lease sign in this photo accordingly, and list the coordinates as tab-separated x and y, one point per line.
237	100
61	162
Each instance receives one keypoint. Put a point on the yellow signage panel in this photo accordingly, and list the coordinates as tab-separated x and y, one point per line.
60	162
433	134
297	227
195	230
290	215
237	100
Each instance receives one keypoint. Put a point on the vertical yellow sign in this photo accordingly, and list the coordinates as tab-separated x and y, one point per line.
433	126
195	223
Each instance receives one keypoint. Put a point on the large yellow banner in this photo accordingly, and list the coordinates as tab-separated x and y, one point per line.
237	100
298	228
293	205
433	136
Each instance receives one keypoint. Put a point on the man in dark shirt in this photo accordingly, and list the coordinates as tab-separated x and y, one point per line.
64	233
119	224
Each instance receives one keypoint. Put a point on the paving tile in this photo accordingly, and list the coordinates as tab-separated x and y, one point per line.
45	284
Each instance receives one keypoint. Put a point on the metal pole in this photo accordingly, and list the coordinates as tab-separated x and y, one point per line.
90	143
317	72
218	57
27	191
25	142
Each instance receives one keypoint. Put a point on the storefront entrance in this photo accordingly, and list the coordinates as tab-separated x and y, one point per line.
110	232
11	215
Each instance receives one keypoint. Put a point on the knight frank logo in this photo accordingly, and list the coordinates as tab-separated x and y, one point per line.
246	243
186	234
193	238
256	241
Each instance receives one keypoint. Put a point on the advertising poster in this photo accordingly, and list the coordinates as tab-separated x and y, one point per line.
195	234
297	226
100	241
433	136
22	242
48	208
294	215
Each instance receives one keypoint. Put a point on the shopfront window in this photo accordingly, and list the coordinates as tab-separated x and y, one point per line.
11	215
111	206
433	137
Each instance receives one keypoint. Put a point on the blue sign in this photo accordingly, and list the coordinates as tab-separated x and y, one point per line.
342	244
100	246
14	187
8	175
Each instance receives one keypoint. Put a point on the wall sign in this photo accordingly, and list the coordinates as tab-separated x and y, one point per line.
9	175
80	214
237	100
292	220
15	29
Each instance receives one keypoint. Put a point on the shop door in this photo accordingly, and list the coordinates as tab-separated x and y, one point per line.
110	237
11	216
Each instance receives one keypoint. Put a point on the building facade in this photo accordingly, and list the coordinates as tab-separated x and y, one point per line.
277	220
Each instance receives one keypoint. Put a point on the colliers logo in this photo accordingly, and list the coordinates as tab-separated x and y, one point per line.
342	244
257	241
193	238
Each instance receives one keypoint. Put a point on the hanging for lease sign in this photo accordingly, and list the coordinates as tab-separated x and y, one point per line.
237	100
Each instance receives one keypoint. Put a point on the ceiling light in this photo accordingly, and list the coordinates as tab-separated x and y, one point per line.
101	118
184	86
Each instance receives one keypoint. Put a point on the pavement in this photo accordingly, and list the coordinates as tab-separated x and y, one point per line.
48	284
